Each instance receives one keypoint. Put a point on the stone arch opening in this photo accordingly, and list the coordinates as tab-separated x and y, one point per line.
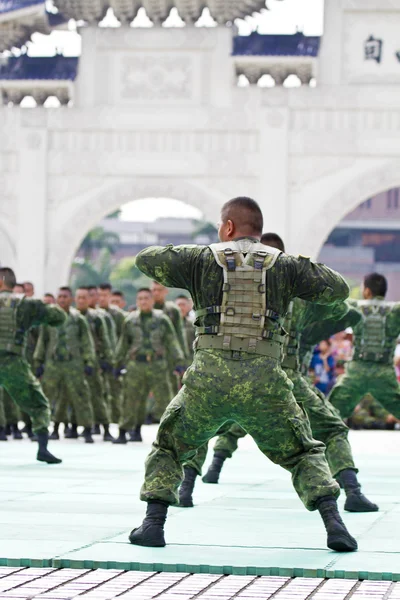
76	218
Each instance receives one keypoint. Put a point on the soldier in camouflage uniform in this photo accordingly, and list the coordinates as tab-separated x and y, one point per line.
371	369
326	424
160	293
65	356
17	316
147	345
118	317
3	420
185	305
369	414
104	362
241	291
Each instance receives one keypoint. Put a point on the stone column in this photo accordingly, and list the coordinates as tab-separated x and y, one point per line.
273	168
31	211
330	56
85	85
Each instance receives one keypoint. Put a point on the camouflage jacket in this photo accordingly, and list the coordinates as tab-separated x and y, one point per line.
174	314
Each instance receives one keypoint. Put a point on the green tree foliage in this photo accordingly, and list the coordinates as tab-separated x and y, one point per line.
205	229
99	239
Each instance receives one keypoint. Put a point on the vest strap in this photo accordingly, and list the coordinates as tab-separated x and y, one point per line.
253	346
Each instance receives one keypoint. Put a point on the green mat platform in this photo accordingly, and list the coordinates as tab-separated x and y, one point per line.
79	514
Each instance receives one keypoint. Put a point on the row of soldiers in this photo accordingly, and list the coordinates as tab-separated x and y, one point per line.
102	364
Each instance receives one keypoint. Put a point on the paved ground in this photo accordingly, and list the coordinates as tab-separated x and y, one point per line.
78	515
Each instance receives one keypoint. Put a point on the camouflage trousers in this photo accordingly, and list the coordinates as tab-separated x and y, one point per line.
326	425
114	388
361	378
25	390
98	399
65	384
3	420
11	410
257	395
369	414
141	379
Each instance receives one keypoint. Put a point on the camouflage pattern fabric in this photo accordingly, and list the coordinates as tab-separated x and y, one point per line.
227	442
139	334
3	420
216	390
11	410
253	391
369	414
16	376
361	378
114	385
174	314
65	355
190	333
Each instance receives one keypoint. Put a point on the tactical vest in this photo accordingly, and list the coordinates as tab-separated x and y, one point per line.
246	324
138	347
371	344
12	339
65	342
291	345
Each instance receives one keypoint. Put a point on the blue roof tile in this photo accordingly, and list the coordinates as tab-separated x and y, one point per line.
35	67
257	44
10	5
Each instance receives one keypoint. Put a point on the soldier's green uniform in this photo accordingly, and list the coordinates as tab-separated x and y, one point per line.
147	345
369	414
65	352
174	314
3	421
190	333
371	369
17	316
117	316
326	423
103	364
236	373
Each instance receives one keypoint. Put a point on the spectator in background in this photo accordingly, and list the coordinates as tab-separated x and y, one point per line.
49	298
342	347
29	289
323	367
19	288
118	299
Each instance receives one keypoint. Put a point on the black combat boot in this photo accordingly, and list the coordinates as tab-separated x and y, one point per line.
71	433
339	539
214	470
151	531
135	434
3	437
121	439
55	435
107	437
8	429
87	435
43	454
96	429
355	499
17	435
187	487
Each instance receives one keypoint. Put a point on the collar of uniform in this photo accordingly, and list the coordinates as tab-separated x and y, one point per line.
246	237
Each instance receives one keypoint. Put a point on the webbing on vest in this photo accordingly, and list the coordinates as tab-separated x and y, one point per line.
244	310
12	339
291	345
372	343
155	338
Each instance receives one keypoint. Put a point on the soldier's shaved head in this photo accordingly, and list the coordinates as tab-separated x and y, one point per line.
7	278
240	217
273	240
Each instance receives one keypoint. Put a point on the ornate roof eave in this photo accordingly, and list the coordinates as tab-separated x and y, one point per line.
223	11
17	26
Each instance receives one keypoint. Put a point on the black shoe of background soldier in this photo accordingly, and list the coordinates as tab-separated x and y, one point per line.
3	437
151	531
135	435
107	437
121	439
8	429
87	435
96	429
43	454
17	435
187	487
214	470
71	433
55	435
355	499
339	539
149	419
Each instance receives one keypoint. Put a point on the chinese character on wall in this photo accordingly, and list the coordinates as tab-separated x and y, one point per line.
373	49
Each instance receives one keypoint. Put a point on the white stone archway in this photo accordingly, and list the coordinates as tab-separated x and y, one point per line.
7	249
74	221
333	207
